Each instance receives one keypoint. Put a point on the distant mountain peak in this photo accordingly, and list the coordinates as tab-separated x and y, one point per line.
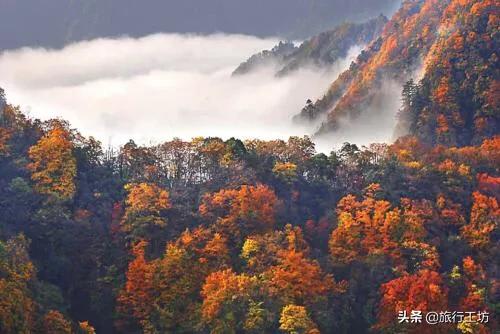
323	49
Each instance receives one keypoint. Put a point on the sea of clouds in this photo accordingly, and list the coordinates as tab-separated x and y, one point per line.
162	86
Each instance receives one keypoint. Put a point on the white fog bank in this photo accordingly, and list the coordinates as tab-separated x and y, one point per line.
162	86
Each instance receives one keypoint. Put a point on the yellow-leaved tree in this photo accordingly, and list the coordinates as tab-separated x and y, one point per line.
295	320
145	211
53	165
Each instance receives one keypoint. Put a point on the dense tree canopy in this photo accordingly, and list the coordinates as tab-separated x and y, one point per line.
229	236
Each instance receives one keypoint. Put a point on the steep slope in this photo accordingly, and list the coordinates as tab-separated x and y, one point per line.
396	54
264	58
457	101
320	50
453	43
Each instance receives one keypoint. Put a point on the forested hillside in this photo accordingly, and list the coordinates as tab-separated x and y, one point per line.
230	236
321	50
222	236
454	44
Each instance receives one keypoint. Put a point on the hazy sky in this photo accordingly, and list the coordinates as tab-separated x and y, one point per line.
53	23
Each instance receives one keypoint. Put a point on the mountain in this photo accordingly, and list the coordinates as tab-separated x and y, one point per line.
454	44
213	236
457	101
54	23
278	54
323	49
270	236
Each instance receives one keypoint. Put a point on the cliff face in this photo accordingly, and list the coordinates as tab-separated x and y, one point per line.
321	50
453	44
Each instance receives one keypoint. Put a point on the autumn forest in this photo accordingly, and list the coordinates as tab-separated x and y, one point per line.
215	235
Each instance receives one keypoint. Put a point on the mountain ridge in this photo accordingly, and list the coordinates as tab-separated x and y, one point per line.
320	50
415	38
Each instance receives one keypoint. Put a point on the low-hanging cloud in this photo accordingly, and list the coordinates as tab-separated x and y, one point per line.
162	86
378	121
375	124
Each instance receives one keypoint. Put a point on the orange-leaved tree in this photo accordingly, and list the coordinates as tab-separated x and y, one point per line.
226	300
297	279
136	297
146	204
179	276
55	322
243	211
373	227
474	296
484	220
423	291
